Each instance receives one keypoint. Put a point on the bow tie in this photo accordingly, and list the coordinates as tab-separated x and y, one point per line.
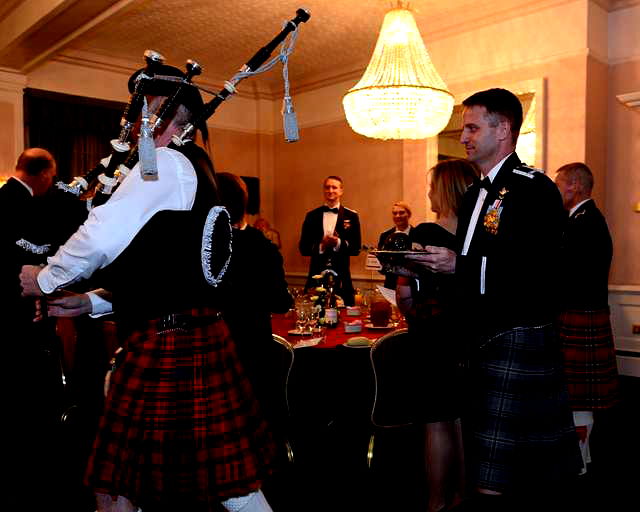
485	183
325	208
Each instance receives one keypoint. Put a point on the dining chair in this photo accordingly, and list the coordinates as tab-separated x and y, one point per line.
395	455
393	364
286	357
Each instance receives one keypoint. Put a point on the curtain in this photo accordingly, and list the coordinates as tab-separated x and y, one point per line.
76	130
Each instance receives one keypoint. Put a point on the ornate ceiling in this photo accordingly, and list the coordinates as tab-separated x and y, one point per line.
221	36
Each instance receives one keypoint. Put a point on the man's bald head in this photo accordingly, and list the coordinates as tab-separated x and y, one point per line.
36	167
33	161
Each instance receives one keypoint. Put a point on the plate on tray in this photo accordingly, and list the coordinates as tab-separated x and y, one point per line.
388	326
297	332
358	342
381	251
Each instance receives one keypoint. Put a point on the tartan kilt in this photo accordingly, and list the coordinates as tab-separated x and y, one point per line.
522	426
589	359
181	424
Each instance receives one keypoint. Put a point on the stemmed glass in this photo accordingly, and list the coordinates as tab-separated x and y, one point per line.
303	313
314	317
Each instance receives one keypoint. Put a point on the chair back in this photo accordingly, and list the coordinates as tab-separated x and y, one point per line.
285	362
281	420
393	360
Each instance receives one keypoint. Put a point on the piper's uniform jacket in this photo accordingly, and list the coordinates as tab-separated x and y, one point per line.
584	325
587	251
348	230
508	276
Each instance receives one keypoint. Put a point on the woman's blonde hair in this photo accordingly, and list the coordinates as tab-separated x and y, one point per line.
450	179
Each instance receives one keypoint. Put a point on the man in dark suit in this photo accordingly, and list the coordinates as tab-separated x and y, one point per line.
30	348
331	235
401	214
584	324
509	234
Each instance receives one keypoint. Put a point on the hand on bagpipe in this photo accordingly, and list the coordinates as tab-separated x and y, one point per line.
100	182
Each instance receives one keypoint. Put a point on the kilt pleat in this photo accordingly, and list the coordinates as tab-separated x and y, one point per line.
180	422
589	359
522	426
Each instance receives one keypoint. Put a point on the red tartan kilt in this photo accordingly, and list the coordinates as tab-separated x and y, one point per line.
180	421
589	358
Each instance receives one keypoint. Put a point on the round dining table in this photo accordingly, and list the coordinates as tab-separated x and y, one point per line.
284	325
330	395
331	384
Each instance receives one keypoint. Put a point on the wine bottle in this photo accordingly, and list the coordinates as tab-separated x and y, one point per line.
330	306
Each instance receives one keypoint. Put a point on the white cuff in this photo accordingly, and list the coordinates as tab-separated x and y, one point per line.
45	282
99	306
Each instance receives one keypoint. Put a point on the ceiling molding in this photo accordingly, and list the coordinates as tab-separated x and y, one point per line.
88	60
630	100
12	82
616	5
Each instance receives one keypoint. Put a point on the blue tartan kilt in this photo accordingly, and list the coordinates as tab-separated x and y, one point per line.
522	426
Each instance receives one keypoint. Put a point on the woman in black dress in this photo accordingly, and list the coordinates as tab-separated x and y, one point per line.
426	301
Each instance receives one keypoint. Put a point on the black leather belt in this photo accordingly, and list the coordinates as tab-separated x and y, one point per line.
184	322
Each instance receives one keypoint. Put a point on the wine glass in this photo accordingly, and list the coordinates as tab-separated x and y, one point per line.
314	318
303	311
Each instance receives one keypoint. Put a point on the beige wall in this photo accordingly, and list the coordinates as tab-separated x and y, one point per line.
623	143
623	177
11	121
372	174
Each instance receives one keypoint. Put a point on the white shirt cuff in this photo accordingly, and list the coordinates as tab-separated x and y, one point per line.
99	306
45	282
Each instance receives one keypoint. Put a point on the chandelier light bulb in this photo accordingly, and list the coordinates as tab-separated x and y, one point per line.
400	95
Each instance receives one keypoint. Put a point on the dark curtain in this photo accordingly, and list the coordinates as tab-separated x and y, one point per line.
76	130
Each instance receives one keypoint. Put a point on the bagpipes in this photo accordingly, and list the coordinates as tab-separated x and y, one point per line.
100	182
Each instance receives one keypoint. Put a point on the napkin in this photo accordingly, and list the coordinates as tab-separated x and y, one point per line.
388	294
311	342
354	326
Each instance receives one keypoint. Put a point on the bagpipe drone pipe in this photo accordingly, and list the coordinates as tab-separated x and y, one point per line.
99	183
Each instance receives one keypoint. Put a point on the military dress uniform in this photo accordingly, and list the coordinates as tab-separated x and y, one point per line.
348	230
35	394
522	426
584	324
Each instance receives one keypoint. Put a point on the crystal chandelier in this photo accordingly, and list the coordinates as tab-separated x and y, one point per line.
400	95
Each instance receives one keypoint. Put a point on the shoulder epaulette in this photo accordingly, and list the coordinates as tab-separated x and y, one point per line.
350	209
526	170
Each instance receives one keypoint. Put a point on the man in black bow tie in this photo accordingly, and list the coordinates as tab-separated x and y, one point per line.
508	236
330	235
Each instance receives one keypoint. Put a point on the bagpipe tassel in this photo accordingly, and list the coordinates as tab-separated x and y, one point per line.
290	121
147	147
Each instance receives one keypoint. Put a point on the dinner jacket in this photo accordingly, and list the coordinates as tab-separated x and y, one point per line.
33	228
587	251
348	230
508	277
390	280
23	241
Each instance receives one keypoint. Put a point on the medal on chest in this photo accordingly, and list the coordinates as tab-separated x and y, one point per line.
491	220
